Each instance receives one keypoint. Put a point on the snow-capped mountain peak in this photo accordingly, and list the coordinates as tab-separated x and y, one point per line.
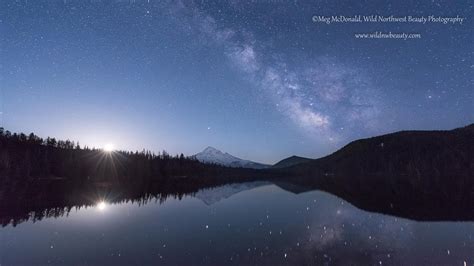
213	155
212	151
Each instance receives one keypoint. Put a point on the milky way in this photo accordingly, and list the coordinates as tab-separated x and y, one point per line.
321	96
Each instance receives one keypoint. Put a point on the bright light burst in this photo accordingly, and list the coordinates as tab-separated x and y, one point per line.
109	147
101	206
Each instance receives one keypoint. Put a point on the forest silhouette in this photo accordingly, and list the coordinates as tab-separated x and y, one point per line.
29	157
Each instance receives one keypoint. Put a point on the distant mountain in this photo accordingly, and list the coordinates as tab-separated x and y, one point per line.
290	161
215	156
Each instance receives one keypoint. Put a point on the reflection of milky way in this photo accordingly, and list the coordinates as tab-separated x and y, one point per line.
338	228
263	225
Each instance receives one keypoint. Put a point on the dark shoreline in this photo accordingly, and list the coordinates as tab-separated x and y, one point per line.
40	199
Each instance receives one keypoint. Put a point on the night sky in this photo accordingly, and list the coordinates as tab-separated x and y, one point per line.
257	79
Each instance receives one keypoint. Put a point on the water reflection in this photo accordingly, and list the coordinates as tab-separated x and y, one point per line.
101	206
253	223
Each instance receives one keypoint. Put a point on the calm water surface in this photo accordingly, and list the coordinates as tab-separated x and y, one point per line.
251	224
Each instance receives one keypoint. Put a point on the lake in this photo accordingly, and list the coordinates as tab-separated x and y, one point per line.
255	223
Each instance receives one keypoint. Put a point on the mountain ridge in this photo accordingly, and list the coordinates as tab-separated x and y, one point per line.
290	161
409	152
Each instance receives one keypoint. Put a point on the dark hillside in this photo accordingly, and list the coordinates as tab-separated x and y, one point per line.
290	161
409	153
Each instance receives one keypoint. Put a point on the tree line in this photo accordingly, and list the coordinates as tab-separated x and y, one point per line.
29	157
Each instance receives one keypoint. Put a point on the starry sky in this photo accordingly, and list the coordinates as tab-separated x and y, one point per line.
259	79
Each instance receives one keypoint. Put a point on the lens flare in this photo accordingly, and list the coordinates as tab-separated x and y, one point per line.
101	206
109	147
